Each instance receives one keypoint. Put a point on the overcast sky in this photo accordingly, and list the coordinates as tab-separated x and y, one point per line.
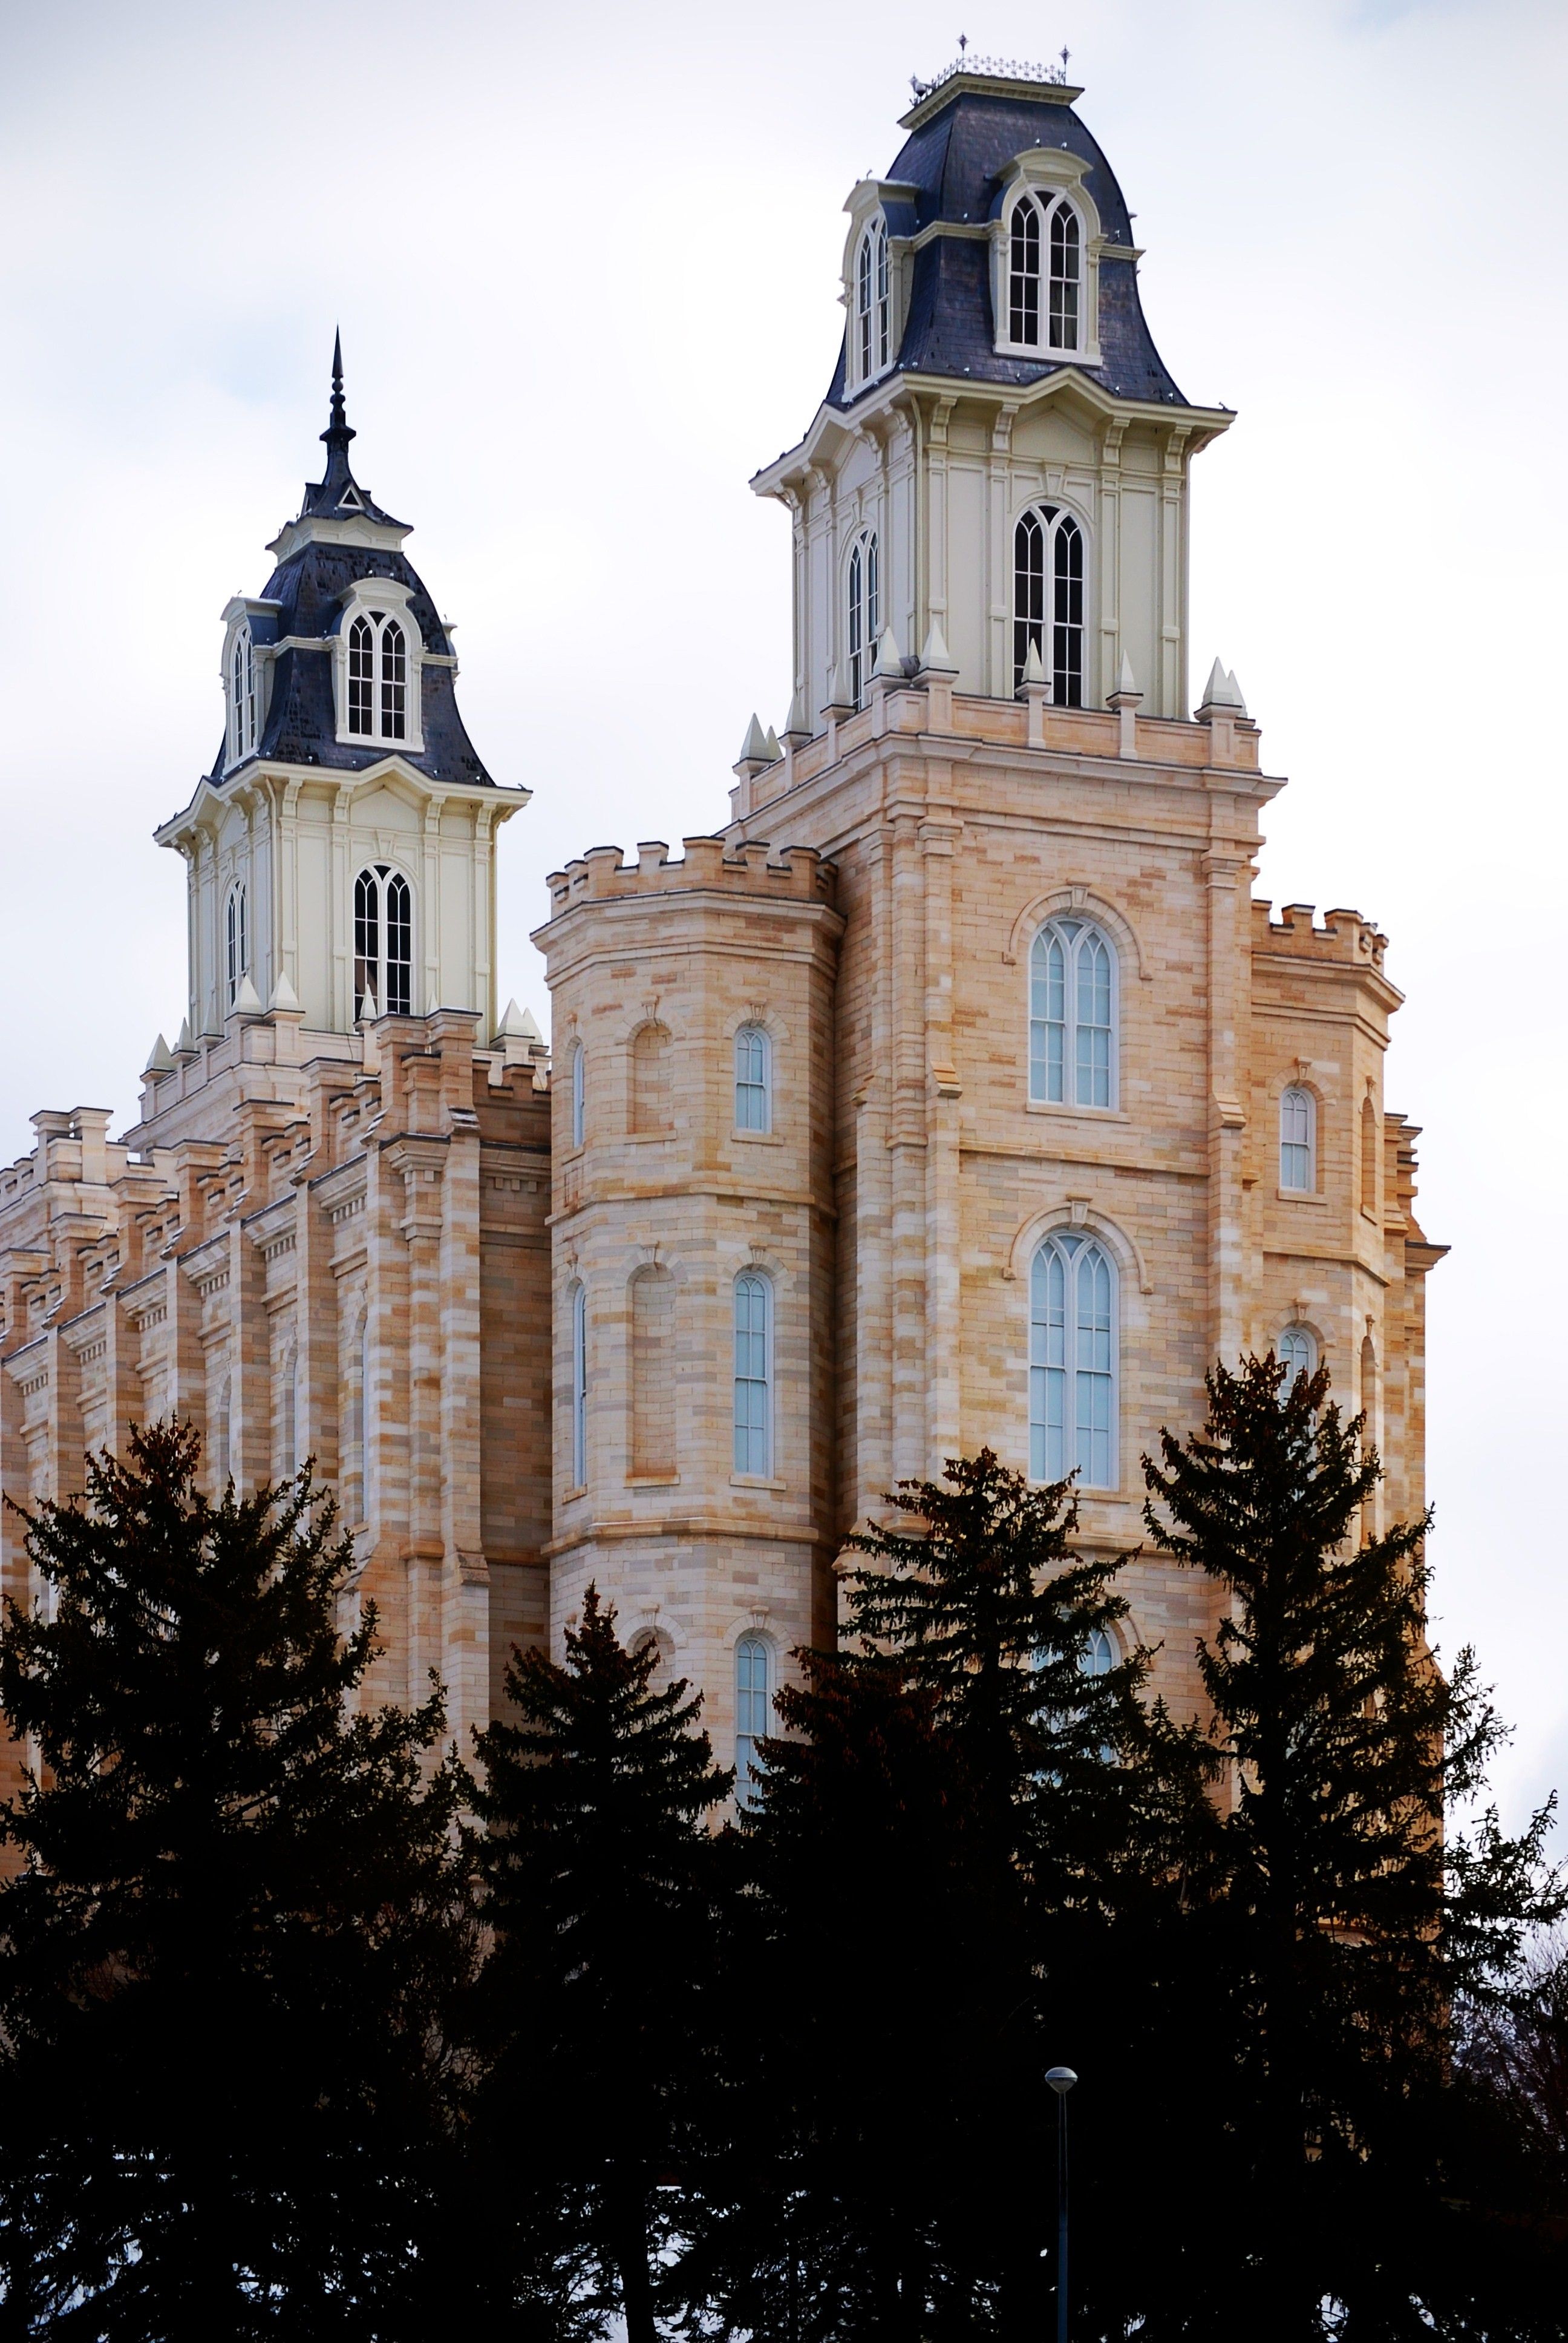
585	261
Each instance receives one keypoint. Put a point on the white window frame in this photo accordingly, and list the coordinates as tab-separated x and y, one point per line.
383	876
745	1464
380	602
579	1092
1049	203
1058	526
1071	934
754	1092
577	1303
1298	1140
872	305
244	695
1071	1249
750	1643
1295	1339
862	612
235	942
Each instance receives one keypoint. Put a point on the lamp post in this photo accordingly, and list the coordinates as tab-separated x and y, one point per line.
1062	2080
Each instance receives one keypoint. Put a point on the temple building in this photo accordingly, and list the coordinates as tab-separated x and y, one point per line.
959	1093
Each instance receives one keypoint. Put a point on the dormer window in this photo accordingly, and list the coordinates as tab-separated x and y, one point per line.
378	676
242	704
873	303
1044	304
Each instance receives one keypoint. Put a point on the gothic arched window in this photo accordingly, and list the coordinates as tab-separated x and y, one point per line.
753	1721
242	708
378	676
1048	600
1044	248
1023	274
863	597
1072	1015
235	942
1073	1361
753	1374
753	1079
873	306
1066	249
1298	1140
1297	1354
383	942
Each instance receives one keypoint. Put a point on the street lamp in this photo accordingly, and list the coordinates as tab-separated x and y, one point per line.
1062	2080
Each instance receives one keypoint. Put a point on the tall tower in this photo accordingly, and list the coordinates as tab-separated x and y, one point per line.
1090	1116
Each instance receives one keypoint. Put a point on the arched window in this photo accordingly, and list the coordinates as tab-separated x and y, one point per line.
1072	1015
378	677
1098	1657
651	1110
873	318
753	1374
1297	1354
579	1091
1048	600
864	614
753	1079
1065	248
1369	1159
288	1415
1045	246
383	942
1298	1140
235	942
1073	1361
223	1437
753	1719
579	1387
242	696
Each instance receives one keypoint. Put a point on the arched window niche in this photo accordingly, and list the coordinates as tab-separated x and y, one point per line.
577	1308
1072	1015
579	1092
1048	555
652	1103
379	647
862	613
753	1713
1297	1352
235	942
753	1323
1073	1361
383	942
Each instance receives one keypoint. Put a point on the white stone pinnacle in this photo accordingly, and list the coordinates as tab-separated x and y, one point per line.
889	659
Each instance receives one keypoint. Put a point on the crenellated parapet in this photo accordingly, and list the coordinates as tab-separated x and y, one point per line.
752	868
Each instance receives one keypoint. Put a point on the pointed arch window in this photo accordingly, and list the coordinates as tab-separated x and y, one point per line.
1073	1361
1297	1352
753	1079
1045	274
378	677
242	697
753	1374
235	942
1048	567
753	1715
864	613
579	1385
383	942
1072	1010
1298	1140
873	303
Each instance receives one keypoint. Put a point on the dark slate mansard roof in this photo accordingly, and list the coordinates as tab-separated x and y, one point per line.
301	726
955	159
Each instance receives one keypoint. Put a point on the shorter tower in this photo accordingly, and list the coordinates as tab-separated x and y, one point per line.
692	1243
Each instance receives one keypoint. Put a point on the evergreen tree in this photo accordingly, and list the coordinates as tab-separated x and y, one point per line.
596	2020
236	1915
1343	1922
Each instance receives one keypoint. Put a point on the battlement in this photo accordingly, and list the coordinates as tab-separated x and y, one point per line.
1344	936
795	874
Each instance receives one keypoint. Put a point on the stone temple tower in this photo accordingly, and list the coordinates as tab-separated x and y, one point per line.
960	1093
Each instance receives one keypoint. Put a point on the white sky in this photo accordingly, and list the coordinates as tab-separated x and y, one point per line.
585	262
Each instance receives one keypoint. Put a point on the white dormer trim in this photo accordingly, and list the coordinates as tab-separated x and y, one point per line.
867	207
245	712
392	599
1048	175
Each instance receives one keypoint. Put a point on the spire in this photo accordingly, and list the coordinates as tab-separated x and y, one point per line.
338	431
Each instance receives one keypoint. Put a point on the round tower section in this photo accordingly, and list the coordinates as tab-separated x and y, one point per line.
693	1256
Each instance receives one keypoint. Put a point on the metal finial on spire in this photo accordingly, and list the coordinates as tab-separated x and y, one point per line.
338	431
963	43
1066	53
